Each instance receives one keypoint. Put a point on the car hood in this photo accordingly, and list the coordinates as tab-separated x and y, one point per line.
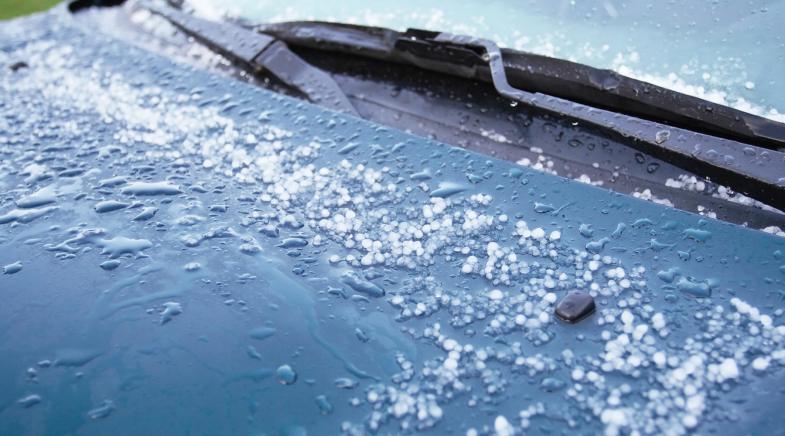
191	253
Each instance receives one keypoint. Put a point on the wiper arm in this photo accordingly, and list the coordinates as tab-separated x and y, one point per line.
257	53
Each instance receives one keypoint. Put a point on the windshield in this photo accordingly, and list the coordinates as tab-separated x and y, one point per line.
724	52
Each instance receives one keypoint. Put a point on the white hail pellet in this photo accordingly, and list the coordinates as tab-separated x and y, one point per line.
495	295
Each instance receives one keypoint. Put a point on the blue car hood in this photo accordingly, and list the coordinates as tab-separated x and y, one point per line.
187	254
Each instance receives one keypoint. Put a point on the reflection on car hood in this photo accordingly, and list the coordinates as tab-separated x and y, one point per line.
190	253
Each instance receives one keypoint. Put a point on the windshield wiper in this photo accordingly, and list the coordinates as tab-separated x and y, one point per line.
756	170
754	167
578	83
731	147
257	53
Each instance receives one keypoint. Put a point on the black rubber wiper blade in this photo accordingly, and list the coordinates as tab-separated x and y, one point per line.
754	168
608	89
257	53
751	169
579	83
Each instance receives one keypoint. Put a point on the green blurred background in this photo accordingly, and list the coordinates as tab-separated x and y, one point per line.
15	8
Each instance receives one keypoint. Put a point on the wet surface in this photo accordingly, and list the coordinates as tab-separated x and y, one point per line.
189	253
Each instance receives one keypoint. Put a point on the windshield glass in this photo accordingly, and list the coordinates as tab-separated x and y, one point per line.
726	52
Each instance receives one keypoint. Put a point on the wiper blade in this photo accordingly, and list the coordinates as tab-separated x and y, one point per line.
607	89
753	170
579	83
754	166
763	177
257	53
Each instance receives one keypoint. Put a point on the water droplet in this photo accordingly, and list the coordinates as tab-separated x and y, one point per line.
192	266
422	175
345	383
325	408
698	235
699	289
12	268
361	285
109	206
550	384
102	411
293	243
261	333
74	357
110	265
543	208
285	375
29	400
348	148
447	189
146	213
41	197
269	230
151	188
117	246
597	246
361	335
662	136
25	215
253	353
618	231
473	178
610	82
668	275
170	310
